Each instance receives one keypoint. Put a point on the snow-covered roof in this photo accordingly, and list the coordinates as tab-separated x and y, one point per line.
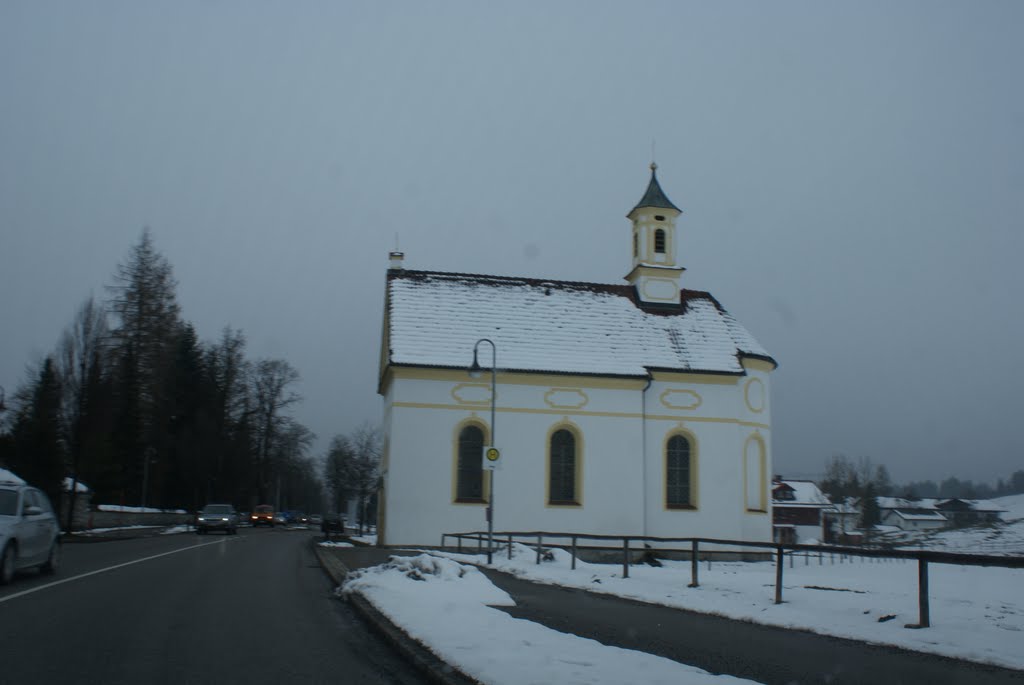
935	504
79	486
805	493
434	319
972	504
9	477
919	515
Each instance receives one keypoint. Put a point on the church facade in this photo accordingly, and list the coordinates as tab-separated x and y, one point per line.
624	409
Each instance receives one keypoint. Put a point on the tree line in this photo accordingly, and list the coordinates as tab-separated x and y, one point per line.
132	404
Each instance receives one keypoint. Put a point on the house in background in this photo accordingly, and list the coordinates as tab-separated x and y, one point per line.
911	517
633	409
969	512
798	511
932	514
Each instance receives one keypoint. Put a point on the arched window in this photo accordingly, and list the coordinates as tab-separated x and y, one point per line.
470	477
754	474
659	241
562	468
678	474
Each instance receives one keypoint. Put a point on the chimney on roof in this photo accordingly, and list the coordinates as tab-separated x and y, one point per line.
395	260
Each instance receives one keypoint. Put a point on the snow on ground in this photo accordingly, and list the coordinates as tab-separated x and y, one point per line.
335	544
368	539
137	510
488	644
99	531
977	613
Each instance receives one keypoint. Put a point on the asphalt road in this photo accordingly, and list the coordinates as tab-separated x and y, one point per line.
188	609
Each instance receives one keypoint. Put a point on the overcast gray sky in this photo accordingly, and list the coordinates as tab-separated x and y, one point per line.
852	177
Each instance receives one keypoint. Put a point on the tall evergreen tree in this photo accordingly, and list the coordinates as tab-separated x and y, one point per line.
145	307
39	446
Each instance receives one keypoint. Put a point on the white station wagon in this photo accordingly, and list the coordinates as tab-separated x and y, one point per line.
29	532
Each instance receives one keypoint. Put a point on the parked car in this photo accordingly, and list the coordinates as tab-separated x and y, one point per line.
262	515
332	523
29	532
217	517
316	520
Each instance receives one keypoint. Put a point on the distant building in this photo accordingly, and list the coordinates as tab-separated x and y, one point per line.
639	409
932	514
798	511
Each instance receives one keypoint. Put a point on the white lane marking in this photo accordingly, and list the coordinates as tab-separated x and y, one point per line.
104	570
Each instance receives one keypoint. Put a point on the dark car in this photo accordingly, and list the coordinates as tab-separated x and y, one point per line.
332	523
217	517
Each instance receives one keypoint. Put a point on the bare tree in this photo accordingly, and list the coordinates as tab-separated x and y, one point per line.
337	472
366	444
271	396
80	360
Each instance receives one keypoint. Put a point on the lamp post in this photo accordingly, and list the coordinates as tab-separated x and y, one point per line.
474	372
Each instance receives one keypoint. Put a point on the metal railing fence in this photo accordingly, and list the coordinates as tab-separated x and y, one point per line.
543	540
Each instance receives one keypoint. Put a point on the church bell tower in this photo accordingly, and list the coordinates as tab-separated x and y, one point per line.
655	273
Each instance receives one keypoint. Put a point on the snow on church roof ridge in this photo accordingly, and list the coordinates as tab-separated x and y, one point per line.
552	326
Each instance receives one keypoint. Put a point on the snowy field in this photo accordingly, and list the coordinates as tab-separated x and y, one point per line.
977	613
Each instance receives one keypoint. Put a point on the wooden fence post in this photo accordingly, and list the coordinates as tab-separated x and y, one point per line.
510	548
573	554
924	617
778	575
693	564
540	547
625	557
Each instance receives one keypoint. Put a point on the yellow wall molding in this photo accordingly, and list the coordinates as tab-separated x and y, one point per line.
579	413
466	393
566	398
680	399
754	395
757	364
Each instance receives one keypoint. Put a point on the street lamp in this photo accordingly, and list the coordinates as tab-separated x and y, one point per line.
474	371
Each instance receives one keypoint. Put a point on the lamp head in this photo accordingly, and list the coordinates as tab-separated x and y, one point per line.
474	369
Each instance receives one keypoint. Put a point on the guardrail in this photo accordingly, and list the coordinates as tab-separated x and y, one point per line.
542	540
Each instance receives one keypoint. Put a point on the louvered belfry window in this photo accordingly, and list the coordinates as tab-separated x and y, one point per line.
562	485
470	486
659	241
677	473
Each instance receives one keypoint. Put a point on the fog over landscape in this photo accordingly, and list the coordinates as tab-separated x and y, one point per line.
850	177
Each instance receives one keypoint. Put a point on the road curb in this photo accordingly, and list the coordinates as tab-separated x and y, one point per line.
415	652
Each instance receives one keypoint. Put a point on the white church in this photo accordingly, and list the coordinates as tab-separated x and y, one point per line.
639	408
